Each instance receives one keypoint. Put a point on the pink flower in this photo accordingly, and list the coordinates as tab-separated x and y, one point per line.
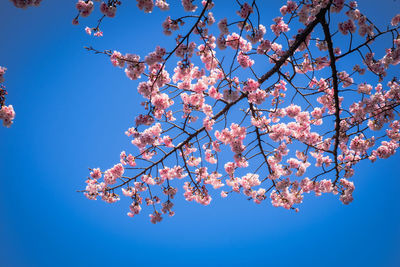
208	123
25	3
7	114
111	175
212	92
109	11
395	20
96	173
98	34
161	102
193	161
188	6
210	157
135	209
230	168
264	47
346	27
85	8
148	180
156	56
279	26
250	180
88	30
235	41
250	85
135	68
288	8
257	97
347	196
2	72
257	35
245	10
162	4
145	5
223	26
170	25
230	95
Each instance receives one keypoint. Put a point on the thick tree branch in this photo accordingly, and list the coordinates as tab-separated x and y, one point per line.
335	82
300	38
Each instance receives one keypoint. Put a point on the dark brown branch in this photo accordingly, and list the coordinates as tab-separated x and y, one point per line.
328	39
300	38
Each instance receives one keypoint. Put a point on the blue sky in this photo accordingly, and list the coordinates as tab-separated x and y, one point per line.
72	110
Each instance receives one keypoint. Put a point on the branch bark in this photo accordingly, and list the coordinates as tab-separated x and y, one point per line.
335	82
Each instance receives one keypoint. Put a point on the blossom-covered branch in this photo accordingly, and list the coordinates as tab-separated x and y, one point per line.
227	123
7	113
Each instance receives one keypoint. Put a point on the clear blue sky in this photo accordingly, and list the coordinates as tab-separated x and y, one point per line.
72	110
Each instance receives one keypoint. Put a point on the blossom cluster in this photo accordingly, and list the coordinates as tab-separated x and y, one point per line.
215	122
2	72
25	3
86	7
7	113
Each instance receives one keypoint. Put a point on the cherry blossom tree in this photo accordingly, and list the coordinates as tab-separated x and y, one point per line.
321	103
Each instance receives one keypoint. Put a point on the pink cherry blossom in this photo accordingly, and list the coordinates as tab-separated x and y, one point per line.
233	107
